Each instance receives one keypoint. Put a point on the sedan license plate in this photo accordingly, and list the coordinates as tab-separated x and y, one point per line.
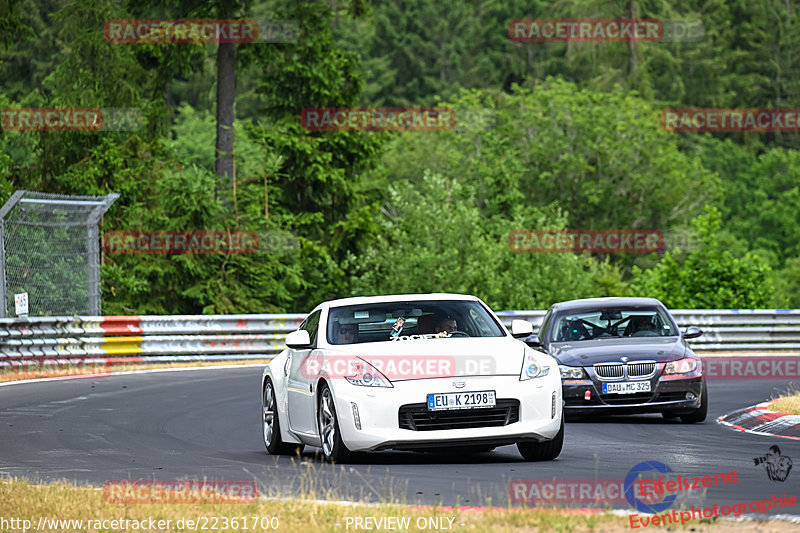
626	387
461	400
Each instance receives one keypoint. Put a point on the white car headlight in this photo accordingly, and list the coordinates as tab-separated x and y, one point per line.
572	372
681	366
366	375
532	367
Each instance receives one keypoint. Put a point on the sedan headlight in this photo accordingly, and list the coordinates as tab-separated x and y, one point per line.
533	368
367	375
681	366
572	372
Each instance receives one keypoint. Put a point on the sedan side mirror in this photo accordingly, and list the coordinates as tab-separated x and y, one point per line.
533	341
692	332
298	340
521	328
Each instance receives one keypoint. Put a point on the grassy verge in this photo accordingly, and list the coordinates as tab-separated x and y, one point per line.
63	501
787	404
81	371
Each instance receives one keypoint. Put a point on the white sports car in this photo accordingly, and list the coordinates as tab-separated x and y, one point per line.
411	372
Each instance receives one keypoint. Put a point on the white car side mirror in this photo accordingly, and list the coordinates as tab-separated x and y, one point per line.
298	340
521	328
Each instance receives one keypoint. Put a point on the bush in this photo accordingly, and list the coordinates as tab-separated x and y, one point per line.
708	277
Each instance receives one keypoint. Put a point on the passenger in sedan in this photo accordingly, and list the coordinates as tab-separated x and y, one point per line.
572	329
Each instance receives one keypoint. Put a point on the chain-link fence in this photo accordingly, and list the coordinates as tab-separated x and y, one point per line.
49	248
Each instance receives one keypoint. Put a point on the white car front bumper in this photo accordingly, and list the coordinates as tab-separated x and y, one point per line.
539	413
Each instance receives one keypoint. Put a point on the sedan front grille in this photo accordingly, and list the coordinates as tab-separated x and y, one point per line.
637	370
641	370
608	371
417	417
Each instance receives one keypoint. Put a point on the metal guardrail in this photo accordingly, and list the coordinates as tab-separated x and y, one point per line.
135	339
99	341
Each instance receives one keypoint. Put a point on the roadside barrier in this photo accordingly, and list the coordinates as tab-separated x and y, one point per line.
28	342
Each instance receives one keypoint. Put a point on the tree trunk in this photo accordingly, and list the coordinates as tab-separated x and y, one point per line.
226	94
633	10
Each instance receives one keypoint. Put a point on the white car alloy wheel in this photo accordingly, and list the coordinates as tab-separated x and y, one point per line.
269	414
327	423
333	448
271	425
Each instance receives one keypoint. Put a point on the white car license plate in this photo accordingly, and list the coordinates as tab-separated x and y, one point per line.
461	400
626	387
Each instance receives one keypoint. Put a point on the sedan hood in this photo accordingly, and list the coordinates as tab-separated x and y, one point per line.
608	350
453	356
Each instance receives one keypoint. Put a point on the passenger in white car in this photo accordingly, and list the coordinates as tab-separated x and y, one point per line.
346	334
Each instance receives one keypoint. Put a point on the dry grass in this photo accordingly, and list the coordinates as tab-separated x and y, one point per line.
21	499
787	401
787	404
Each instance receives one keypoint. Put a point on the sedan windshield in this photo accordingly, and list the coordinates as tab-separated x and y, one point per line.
400	320
620	322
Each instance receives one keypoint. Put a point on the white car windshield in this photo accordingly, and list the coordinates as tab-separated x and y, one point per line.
603	323
401	320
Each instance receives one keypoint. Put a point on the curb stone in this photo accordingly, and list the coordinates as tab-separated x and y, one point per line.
759	420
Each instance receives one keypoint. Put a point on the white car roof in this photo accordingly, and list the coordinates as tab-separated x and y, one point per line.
393	297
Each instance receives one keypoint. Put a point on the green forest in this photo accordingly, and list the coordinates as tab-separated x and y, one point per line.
557	135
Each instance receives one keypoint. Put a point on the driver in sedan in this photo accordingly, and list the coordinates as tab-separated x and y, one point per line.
639	324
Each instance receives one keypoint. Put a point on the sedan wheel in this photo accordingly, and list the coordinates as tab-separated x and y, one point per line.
333	448
699	414
271	426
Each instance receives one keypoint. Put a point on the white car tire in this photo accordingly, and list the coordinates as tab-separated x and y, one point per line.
543	451
271	428
333	449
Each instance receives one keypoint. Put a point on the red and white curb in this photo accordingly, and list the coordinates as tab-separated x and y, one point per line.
759	420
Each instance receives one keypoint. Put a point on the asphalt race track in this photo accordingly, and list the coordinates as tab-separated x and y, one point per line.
205	424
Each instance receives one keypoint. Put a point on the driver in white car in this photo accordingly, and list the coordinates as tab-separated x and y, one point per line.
447	325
